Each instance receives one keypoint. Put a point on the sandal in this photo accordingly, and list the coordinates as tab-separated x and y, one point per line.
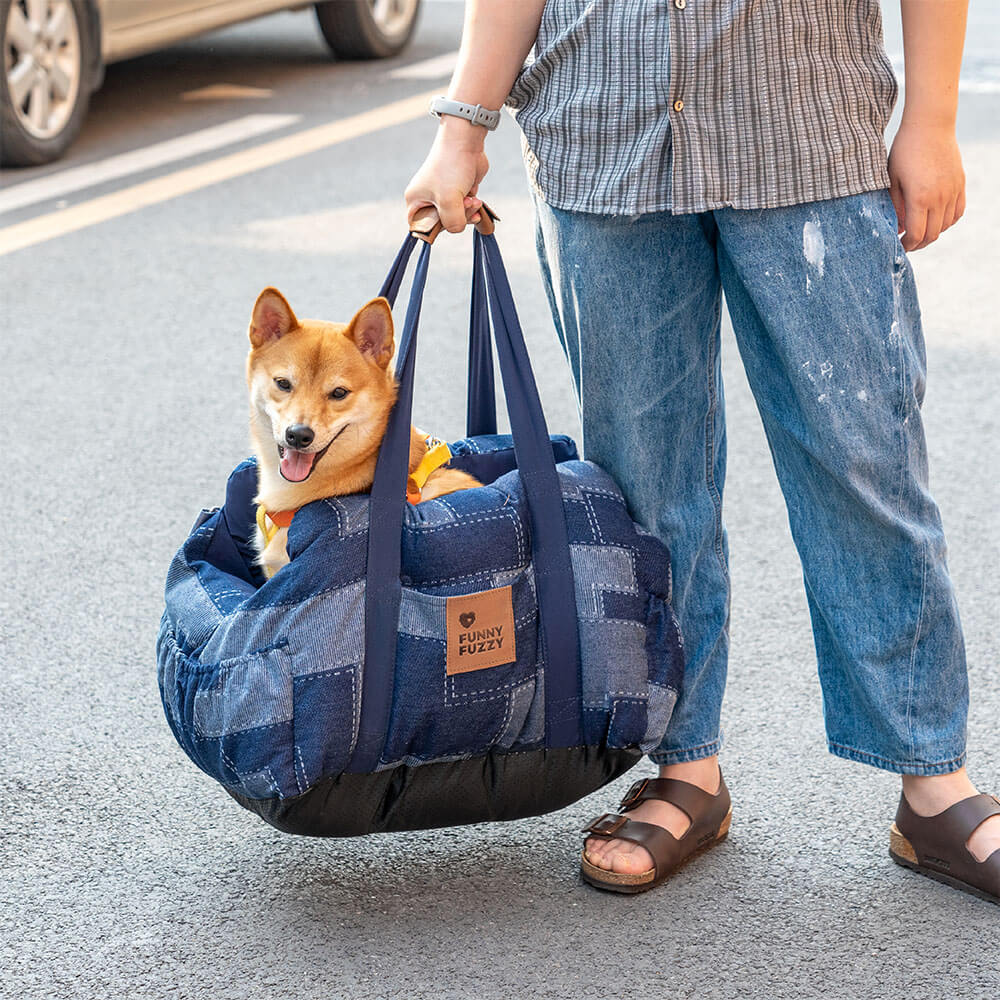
710	817
936	845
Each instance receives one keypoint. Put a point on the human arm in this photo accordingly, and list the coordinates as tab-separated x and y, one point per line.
926	179
496	39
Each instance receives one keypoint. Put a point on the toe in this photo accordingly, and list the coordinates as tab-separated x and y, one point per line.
595	848
630	859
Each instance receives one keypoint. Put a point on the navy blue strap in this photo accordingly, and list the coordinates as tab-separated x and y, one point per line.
481	406
390	287
383	590
549	540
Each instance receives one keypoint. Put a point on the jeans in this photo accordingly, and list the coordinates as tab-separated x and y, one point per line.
825	313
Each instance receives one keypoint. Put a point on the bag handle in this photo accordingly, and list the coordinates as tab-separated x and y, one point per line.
481	407
481	404
550	546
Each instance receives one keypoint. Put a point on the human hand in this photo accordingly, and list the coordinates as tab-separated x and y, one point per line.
926	182
450	176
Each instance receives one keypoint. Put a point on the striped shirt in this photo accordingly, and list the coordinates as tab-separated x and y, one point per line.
634	106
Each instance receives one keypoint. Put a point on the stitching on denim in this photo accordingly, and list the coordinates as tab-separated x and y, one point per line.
664	758
713	490
522	552
444	503
489	693
506	720
355	712
700	746
295	770
595	531
911	674
862	755
621	621
198	735
500	516
898	276
592	514
523	621
611	721
201	583
241	776
232	592
468	576
603	492
333	671
351	669
335	507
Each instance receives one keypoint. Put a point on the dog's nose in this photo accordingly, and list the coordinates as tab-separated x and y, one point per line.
299	436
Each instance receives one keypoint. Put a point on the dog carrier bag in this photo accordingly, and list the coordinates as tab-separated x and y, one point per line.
495	653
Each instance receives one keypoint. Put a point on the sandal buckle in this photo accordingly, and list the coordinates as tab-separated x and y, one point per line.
606	826
632	795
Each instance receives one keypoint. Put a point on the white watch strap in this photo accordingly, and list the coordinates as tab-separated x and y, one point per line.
474	113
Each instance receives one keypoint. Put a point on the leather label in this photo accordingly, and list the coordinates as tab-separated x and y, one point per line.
480	630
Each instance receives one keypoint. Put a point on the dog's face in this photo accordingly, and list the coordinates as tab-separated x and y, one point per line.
320	393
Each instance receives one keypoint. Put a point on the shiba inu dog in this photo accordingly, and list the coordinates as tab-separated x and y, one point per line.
320	398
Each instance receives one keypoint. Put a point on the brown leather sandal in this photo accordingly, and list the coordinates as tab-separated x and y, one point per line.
935	845
710	817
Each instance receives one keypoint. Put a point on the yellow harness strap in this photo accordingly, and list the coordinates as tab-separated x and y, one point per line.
267	526
438	454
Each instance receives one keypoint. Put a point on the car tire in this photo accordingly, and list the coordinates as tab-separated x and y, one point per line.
45	80
367	29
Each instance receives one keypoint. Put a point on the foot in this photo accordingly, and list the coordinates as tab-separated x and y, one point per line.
633	859
929	796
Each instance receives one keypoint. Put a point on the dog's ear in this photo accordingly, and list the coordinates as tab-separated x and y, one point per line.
272	318
371	331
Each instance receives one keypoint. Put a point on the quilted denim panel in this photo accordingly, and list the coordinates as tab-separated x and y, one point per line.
335	697
436	716
249	692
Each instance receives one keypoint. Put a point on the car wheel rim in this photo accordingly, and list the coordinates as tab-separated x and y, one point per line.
42	63
393	17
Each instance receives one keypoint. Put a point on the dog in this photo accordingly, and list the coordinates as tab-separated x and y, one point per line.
320	398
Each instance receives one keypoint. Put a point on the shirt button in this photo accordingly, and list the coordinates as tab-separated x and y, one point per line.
678	105
680	4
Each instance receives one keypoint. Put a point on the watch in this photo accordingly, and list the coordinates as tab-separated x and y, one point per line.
474	113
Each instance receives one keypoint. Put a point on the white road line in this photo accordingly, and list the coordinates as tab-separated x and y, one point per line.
90	174
183	181
427	69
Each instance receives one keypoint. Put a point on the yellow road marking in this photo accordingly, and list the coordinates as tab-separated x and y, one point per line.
159	189
227	92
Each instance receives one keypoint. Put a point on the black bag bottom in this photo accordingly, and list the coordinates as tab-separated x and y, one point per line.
497	786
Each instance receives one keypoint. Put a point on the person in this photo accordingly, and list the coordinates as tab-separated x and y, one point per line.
677	149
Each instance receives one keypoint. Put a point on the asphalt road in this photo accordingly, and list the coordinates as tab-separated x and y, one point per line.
127	873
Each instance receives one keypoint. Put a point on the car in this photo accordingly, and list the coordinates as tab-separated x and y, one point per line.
55	51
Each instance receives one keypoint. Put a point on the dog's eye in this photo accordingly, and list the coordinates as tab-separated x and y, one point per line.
339	393
283	384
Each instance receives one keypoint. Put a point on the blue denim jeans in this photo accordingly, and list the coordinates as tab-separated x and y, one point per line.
825	313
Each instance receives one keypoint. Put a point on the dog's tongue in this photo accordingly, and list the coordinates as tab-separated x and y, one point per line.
296	465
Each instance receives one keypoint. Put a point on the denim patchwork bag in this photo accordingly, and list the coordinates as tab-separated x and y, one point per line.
495	653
